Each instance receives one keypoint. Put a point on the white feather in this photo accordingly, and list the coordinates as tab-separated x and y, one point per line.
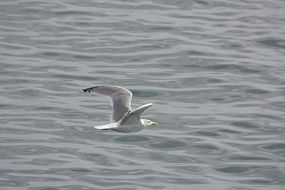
106	127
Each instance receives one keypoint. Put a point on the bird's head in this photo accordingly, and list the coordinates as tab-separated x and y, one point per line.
148	123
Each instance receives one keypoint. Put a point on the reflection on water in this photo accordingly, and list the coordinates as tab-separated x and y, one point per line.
213	69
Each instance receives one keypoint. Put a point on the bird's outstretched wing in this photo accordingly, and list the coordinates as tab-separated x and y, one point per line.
121	99
133	117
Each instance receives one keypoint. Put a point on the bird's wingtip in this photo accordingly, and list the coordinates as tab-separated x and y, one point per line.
85	90
89	89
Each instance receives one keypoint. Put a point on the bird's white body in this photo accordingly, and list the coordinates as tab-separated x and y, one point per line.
123	119
124	128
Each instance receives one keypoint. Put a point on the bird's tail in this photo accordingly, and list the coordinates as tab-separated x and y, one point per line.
106	127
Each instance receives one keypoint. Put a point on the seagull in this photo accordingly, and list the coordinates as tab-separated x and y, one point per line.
123	118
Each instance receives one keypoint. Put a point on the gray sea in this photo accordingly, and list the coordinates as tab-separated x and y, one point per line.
214	70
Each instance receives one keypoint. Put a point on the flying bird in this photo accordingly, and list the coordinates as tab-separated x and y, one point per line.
123	118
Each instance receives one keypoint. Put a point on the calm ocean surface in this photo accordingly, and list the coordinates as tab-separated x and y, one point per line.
215	71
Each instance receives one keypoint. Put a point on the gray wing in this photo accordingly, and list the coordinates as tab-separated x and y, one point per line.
121	99
133	117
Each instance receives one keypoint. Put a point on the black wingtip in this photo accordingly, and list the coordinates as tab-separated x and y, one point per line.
86	90
89	89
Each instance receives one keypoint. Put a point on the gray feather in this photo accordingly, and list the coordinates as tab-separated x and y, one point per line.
121	99
133	117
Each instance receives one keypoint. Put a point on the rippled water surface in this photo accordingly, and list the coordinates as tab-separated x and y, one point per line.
214	70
